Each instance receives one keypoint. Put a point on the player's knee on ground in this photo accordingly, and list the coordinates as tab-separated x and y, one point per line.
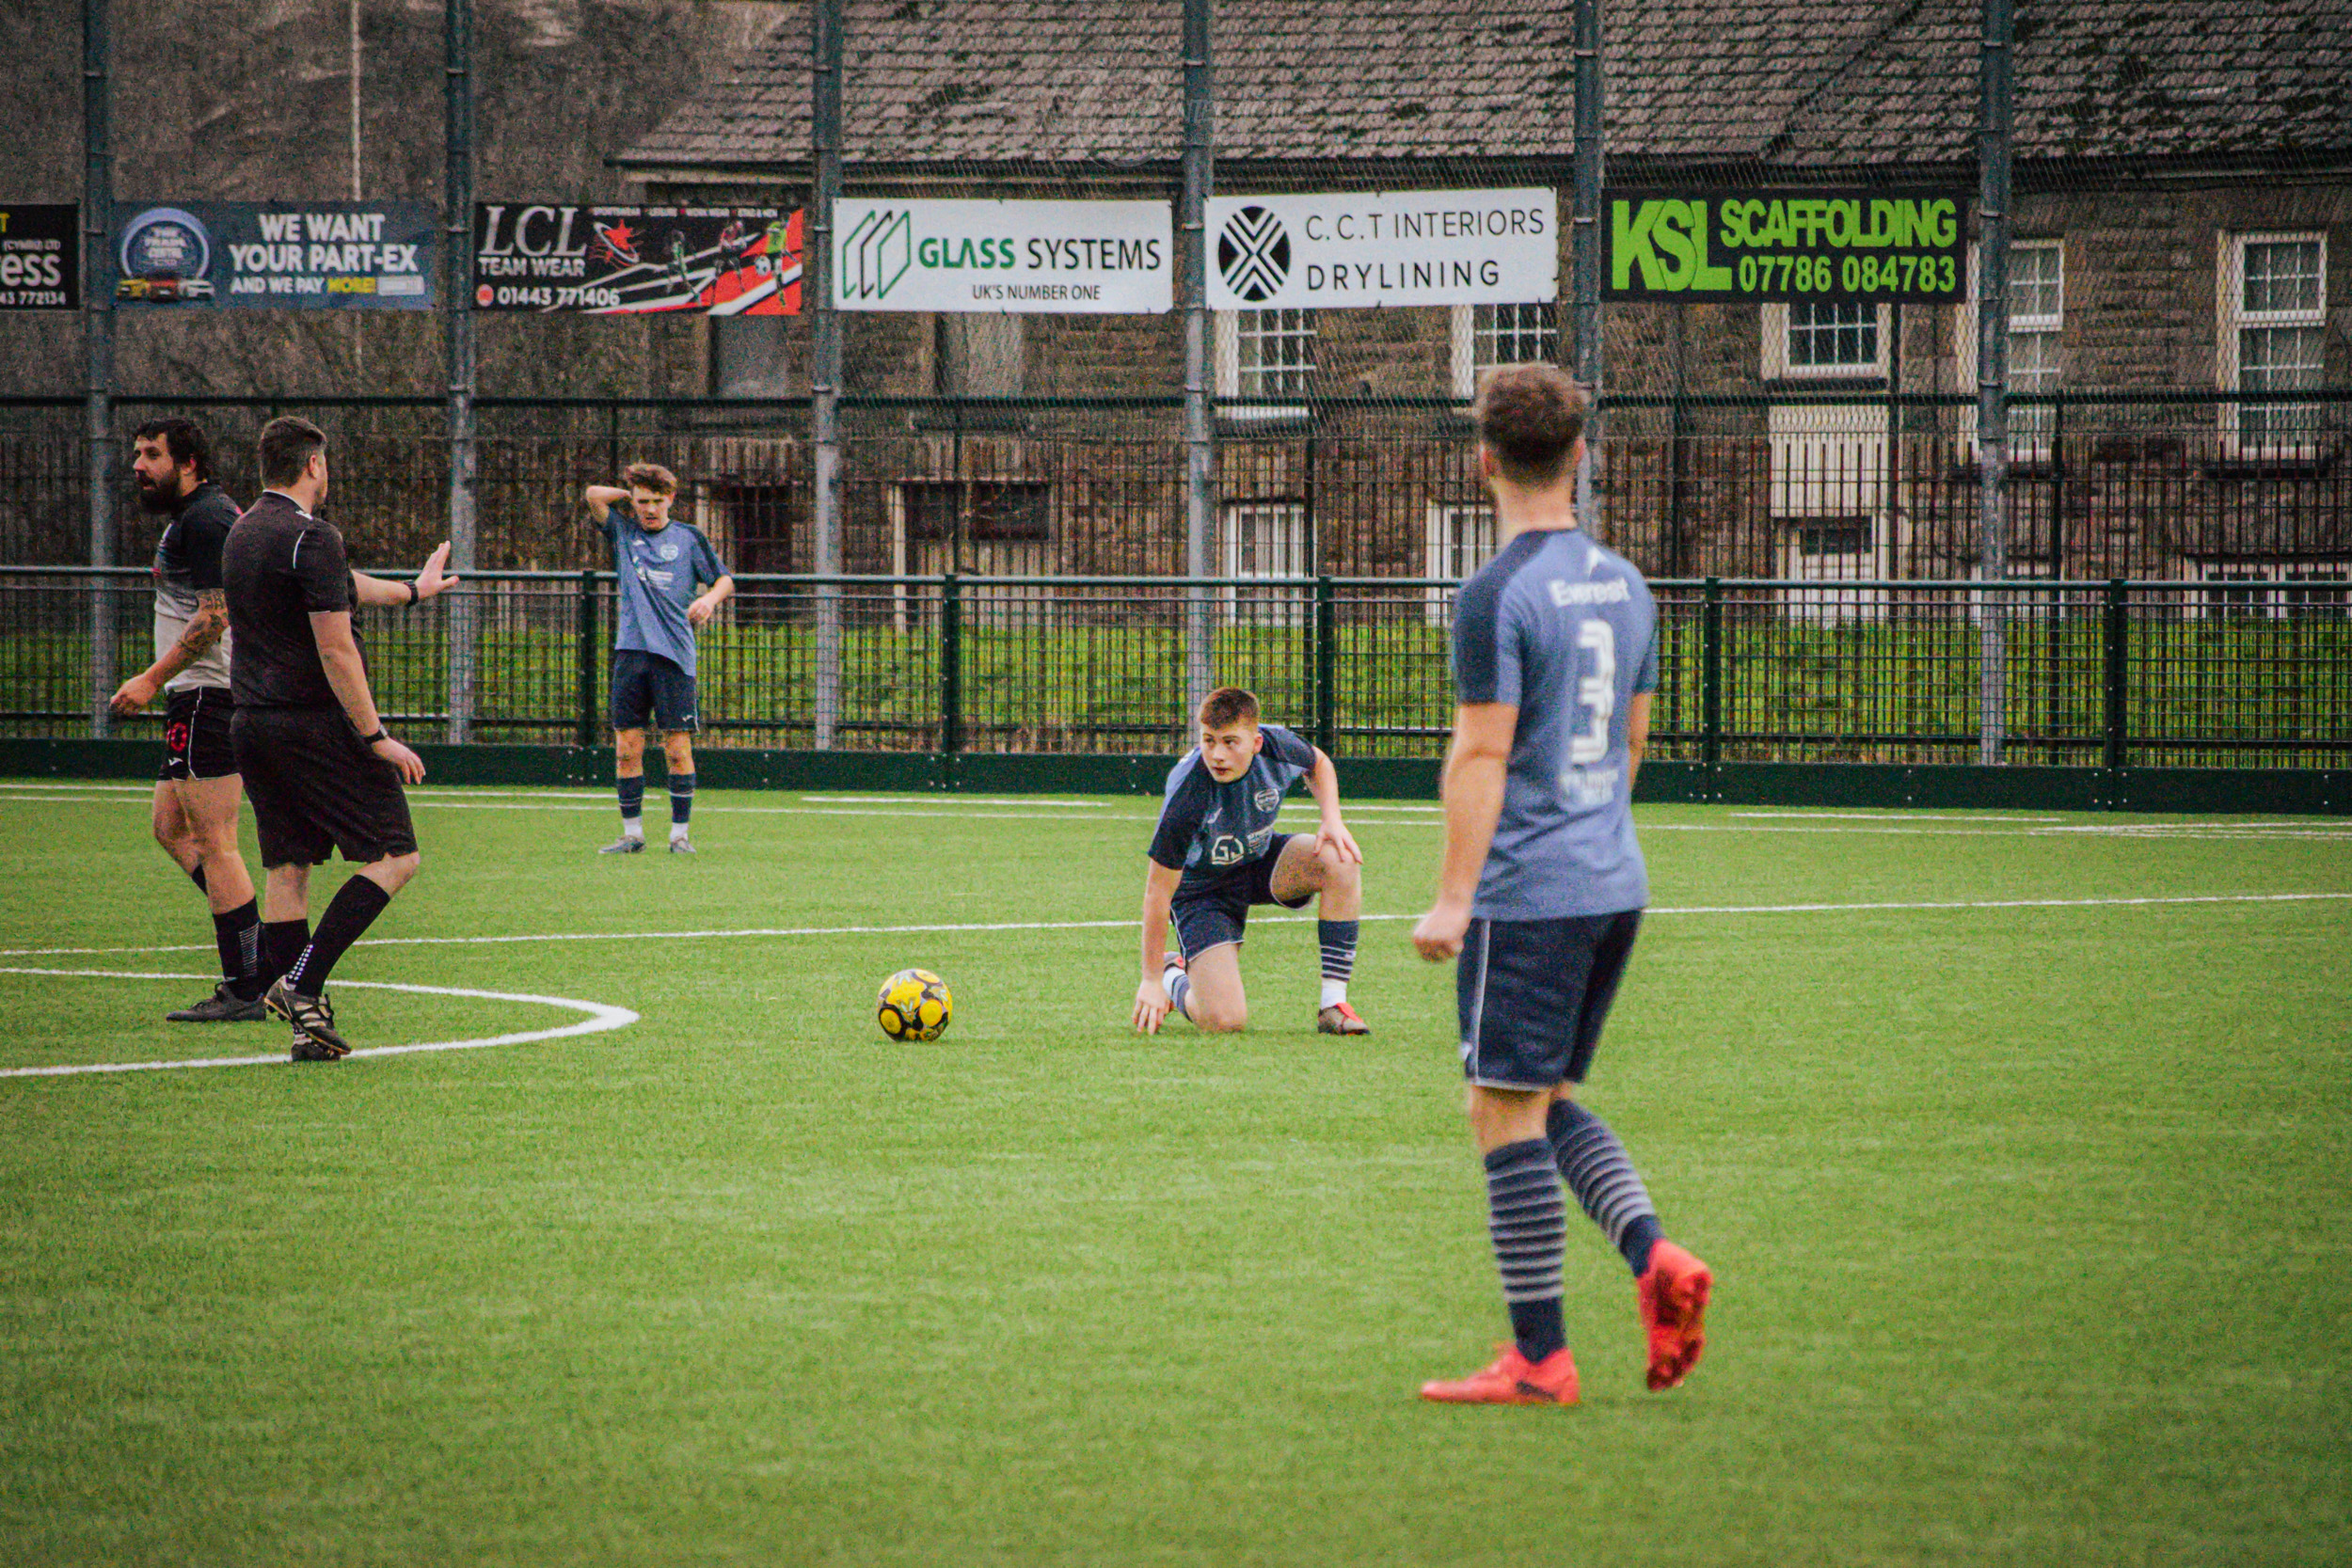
1218	1017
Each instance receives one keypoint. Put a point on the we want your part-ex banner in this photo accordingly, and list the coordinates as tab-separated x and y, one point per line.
276	255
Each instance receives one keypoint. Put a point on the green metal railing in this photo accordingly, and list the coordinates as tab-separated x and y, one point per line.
2114	674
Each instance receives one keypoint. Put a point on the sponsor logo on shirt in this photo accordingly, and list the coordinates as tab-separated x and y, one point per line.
1227	850
1269	799
1564	593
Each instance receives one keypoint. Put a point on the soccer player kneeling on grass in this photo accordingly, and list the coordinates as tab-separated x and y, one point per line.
1541	893
1215	853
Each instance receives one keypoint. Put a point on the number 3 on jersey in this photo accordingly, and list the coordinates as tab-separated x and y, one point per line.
1595	692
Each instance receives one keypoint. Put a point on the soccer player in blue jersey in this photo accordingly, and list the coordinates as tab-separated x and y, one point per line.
1542	888
1215	853
672	583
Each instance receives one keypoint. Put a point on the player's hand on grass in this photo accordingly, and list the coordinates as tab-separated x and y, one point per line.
409	766
133	695
431	578
1332	835
1152	1006
1438	934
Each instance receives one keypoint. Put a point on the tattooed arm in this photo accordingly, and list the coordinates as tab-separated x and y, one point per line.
196	640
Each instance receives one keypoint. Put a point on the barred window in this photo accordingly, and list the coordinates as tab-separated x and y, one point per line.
1273	352
1489	335
1827	334
2274	301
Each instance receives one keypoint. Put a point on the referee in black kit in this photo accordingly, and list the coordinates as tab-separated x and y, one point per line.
318	768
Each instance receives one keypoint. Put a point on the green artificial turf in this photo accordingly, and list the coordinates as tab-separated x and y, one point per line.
2030	1223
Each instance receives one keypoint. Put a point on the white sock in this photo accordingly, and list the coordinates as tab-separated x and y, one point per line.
1334	992
678	831
633	827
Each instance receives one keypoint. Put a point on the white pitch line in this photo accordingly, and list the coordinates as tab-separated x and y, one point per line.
602	1017
1886	817
1127	922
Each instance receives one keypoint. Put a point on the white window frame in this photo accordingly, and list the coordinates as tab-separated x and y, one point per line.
1457	538
2231	318
1468	366
2263	583
1779	367
1228	328
2030	442
1289	517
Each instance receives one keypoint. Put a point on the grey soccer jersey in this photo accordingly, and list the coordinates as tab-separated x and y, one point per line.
661	572
1564	629
187	563
1213	830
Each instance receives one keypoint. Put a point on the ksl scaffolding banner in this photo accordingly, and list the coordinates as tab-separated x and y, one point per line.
547	256
277	255
1786	245
40	257
1025	257
1331	251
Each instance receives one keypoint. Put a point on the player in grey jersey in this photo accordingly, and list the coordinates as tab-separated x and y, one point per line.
1542	888
198	789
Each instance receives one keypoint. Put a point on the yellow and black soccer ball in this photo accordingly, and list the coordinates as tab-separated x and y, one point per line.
913	1005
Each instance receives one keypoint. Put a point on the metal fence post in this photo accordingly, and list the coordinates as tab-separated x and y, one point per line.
458	326
1199	163
951	664
586	735
1711	679
98	355
2118	627
825	354
1992	157
1327	668
1586	251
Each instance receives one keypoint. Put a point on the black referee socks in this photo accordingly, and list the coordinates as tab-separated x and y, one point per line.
282	942
238	936
346	920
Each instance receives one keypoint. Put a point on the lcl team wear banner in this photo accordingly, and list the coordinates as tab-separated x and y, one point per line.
1398	247
1782	246
545	257
276	255
40	257
1025	257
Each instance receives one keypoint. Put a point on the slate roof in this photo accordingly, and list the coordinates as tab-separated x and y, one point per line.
1094	86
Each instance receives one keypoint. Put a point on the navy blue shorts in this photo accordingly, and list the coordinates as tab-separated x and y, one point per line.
647	685
1533	994
1215	913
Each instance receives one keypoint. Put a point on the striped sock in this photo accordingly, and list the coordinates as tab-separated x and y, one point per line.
633	806
1597	1169
1178	987
1528	1217
1337	938
681	802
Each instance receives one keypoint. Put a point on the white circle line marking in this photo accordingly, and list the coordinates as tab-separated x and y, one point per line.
1127	922
602	1017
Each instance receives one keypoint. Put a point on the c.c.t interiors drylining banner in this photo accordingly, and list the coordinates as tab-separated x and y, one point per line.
276	255
1333	250
1025	257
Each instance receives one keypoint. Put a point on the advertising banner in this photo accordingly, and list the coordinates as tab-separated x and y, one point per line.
1334	250
40	257
548	257
1781	246
276	255
1025	257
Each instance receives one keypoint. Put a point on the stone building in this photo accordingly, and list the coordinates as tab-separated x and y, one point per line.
2182	230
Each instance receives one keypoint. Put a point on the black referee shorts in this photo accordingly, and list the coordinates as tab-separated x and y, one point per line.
315	789
196	742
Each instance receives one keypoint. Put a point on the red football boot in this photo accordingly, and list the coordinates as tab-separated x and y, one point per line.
1511	1379
1673	1293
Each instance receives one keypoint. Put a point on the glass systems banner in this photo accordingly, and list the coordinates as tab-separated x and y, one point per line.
1398	247
1782	246
636	260
277	255
40	257
1025	257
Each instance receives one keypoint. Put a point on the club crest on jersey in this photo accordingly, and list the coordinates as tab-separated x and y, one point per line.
1268	799
667	552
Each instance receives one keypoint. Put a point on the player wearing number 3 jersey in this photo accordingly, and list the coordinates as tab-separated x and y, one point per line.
1541	892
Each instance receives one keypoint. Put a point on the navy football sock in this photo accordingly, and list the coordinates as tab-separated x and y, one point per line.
354	908
1179	991
1597	1169
632	793
1337	939
681	798
1528	1219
